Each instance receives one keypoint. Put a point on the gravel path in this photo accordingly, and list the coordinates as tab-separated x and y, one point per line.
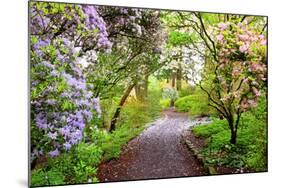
155	153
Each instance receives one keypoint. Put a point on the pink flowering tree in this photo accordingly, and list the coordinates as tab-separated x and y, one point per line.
234	76
61	99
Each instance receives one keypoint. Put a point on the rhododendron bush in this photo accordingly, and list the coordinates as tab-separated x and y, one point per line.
61	100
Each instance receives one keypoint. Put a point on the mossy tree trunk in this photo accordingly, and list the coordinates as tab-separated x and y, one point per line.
118	109
141	89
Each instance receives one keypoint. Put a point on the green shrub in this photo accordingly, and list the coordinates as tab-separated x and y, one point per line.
79	164
165	103
40	177
188	90
196	104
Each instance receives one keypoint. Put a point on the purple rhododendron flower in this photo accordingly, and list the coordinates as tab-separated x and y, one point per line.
41	121
50	101
54	153
47	64
53	135
67	146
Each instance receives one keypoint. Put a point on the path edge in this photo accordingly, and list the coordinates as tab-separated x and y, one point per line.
196	152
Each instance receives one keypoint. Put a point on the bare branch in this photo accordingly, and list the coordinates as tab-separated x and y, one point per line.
207	35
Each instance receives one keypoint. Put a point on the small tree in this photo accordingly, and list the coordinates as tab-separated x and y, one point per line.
234	79
172	94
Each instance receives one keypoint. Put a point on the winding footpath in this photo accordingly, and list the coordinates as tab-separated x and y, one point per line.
156	153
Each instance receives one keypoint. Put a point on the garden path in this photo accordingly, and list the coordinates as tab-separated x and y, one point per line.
156	153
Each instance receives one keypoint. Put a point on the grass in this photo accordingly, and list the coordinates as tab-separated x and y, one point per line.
112	145
251	149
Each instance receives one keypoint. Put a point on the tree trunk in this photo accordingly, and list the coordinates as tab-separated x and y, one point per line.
173	80
138	91
141	89
146	86
233	136
172	103
179	78
118	109
233	129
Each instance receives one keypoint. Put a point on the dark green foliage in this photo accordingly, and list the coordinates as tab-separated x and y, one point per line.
213	128
52	177
76	166
251	148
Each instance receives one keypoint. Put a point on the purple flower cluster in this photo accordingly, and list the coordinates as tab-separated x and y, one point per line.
94	21
60	128
61	101
67	124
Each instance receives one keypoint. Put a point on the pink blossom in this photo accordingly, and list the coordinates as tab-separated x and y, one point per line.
256	92
220	37
244	48
223	26
244	104
263	42
250	33
245	80
261	37
221	66
256	67
243	37
254	38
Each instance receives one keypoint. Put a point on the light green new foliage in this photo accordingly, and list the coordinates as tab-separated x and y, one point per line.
207	131
165	103
195	105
